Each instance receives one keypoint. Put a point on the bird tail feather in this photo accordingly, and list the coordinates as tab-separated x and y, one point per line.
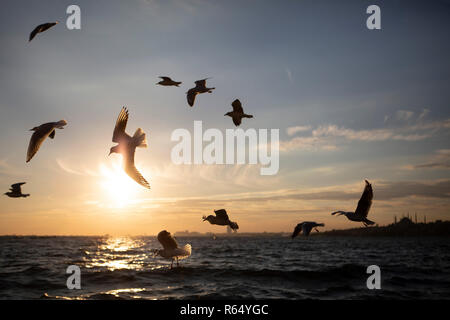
320	225
140	138
368	222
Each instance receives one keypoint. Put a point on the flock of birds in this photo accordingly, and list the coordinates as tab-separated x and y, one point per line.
126	146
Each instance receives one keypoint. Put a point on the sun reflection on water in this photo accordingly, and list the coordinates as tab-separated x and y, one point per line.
119	253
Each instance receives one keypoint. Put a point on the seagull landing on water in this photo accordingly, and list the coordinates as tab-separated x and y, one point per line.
221	219
167	82
238	113
127	147
306	228
171	250
200	87
16	192
41	28
40	134
364	204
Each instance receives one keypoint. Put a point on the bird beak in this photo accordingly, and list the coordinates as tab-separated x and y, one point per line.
109	153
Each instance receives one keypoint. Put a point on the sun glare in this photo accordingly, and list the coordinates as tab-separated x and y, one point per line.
119	188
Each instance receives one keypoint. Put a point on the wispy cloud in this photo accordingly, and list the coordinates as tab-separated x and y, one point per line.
289	75
293	130
440	160
328	137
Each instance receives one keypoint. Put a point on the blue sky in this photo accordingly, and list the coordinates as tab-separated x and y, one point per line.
367	104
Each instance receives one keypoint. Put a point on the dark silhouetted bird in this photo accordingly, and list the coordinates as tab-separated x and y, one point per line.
166	81
238	113
306	228
362	210
127	147
171	250
40	134
200	87
221	219
16	192
41	28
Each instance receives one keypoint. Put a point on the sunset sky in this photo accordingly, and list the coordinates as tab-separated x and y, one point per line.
350	103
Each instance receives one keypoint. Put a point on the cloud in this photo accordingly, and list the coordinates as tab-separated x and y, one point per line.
289	75
383	191
329	137
70	169
307	143
441	160
293	130
404	115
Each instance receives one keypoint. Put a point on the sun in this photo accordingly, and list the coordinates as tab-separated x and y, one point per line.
120	190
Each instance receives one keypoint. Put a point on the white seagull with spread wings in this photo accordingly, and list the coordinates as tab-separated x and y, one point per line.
238	113
171	250
16	191
200	87
40	134
363	208
306	228
127	147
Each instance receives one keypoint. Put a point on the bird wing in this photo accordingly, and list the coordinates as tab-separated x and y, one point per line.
365	202
121	124
237	106
307	227
221	214
41	28
297	230
191	96
34	32
167	240
201	83
165	78
16	187
38	137
131	170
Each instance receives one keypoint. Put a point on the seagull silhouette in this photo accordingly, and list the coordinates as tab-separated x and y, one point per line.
171	250
306	228
40	134
166	81
16	192
238	113
127	146
41	28
221	218
200	87
363	208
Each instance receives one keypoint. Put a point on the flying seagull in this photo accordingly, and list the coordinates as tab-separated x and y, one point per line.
221	219
16	192
306	228
238	113
127	147
171	250
200	87
40	134
41	28
364	204
166	81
